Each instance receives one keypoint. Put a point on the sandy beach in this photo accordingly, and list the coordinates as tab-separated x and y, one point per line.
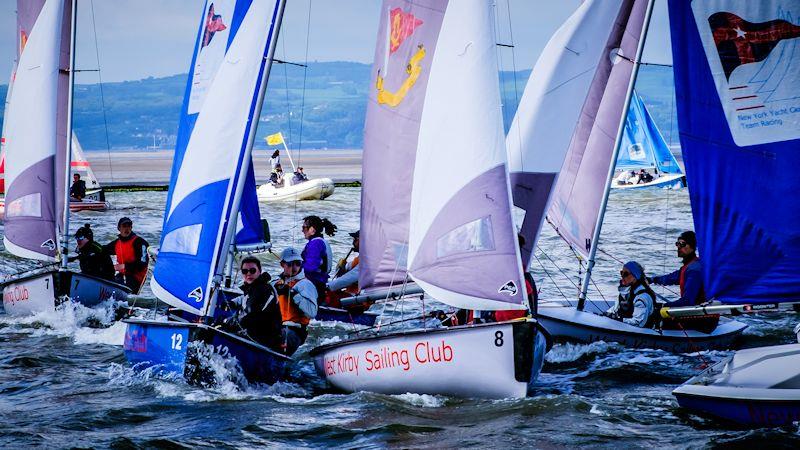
152	167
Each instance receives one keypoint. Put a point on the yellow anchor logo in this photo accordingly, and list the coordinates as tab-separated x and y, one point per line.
413	69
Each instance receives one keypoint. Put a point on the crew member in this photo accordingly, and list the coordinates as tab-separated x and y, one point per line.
690	276
636	302
78	189
345	281
93	258
317	254
131	251
297	298
258	313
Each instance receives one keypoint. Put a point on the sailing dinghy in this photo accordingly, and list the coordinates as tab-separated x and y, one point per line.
745	206
95	199
212	210
37	162
591	92
643	148
436	207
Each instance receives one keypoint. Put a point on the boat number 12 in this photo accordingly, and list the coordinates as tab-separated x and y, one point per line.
498	338
177	340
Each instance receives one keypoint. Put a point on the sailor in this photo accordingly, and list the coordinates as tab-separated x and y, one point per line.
131	251
297	298
93	258
317	254
78	189
345	281
689	277
299	176
276	177
636	302
275	161
258	313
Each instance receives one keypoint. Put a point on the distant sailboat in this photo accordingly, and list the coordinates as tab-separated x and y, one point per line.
436	208
741	143
569	122
212	209
643	148
37	163
95	199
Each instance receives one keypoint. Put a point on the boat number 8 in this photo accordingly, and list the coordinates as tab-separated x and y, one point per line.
177	340
498	338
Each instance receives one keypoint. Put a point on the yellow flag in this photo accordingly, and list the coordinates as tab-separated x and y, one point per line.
275	139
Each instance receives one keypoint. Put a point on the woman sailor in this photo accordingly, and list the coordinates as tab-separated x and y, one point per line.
636	302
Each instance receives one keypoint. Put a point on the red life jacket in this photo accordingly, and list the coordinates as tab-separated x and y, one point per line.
682	278
127	254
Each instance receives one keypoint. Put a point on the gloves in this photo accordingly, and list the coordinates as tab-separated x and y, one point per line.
282	289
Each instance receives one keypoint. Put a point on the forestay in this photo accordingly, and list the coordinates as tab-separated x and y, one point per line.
212	156
737	78
579	190
462	241
36	130
643	146
558	107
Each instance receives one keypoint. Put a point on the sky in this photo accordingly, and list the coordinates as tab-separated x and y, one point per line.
153	38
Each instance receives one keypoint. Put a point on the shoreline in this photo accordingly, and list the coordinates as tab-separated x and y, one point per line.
131	169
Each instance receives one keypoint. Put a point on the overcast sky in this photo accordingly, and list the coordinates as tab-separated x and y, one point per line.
141	38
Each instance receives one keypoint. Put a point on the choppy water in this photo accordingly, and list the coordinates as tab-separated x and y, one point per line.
64	381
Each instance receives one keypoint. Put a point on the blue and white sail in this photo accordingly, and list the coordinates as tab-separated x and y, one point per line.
737	81
643	146
212	175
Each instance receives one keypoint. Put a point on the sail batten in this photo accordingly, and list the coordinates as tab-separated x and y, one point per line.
212	170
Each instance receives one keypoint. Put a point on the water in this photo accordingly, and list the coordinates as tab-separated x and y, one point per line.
64	381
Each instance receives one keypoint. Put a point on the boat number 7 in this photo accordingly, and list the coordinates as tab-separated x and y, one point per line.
498	338
177	340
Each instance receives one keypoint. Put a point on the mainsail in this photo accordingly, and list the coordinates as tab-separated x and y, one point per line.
212	156
436	204
643	146
80	165
737	78
560	104
579	191
36	149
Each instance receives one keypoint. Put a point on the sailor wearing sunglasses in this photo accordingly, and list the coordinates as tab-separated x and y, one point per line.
690	276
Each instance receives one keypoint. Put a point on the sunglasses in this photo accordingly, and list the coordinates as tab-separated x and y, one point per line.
81	238
251	271
305	227
681	244
624	273
293	263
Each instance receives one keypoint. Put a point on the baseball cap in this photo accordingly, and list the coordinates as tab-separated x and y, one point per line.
290	254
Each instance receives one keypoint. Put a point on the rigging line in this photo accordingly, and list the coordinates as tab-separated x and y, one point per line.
513	56
102	96
557	267
642	63
546	272
305	77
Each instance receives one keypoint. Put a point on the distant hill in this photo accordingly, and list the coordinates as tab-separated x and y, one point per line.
144	113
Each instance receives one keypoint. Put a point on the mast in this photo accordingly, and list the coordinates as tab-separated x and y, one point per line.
68	159
613	161
237	198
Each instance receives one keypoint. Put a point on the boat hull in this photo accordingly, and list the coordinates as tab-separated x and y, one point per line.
494	360
754	387
327	313
164	345
315	189
670	181
567	324
43	291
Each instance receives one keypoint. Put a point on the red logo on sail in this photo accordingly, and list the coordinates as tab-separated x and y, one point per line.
741	42
402	26
213	24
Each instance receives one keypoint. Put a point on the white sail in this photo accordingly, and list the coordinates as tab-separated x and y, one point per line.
81	166
462	242
31	141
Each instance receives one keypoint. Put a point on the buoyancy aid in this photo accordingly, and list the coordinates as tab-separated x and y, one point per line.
126	253
290	312
626	305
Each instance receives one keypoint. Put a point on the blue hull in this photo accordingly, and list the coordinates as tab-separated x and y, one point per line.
165	344
327	313
760	413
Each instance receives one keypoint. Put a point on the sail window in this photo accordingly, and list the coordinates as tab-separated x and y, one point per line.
26	206
183	240
475	236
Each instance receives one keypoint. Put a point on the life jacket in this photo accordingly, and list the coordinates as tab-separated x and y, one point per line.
290	312
126	253
626	305
353	288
